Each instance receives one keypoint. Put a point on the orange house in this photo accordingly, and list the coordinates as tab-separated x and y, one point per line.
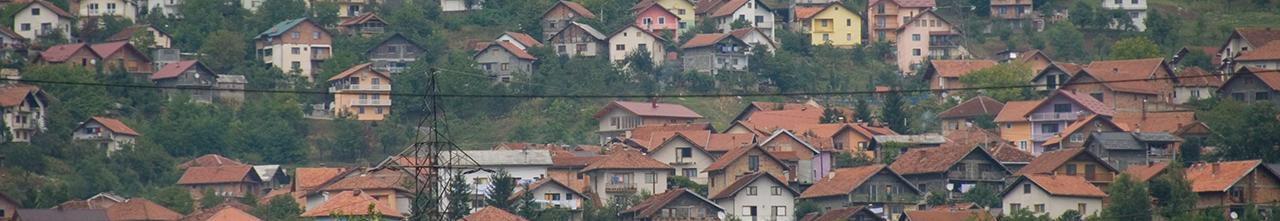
362	92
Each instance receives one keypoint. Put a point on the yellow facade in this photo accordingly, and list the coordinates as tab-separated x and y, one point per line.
364	94
683	9
836	25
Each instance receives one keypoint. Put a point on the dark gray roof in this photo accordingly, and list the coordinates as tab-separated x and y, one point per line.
1116	141
1156	137
1273	167
62	214
911	139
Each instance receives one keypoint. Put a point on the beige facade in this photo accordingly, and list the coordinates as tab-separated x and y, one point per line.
363	93
298	49
763	199
1027	195
718	180
104	138
100	8
611	184
631	39
1135	9
927	36
38	19
689	160
885	17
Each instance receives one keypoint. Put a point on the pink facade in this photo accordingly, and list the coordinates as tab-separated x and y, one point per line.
659	20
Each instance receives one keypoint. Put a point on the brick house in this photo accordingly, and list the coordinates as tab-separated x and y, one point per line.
741	162
1053	76
122	54
351	203
1230	186
228	181
561	16
76	54
950	169
945	74
1073	162
626	173
1118	84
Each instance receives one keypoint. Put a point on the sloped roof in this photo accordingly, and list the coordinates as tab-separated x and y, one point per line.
546	182
644	132
1144	173
490	213
380	179
218	174
907	3
15	94
647	109
1269	77
109	48
1258	36
742	33
1016	111
1080	124
128	32
115	125
1196	77
357	69
728	7
1047	162
702	40
351	203
362	18
524	39
575	7
843	214
586	28
921	16
655	203
1204	178
306	178
626	160
726	142
1062	185
976	106
947	215
932	160
510	48
62	214
1069	68
842	181
1116	141
1127	75
956	68
1084	101
62	52
54	8
707	6
804	12
232	79
1007	153
737	153
746	180
229	214
503	157
280	28
1164	121
173	70
140	209
6	31
210	160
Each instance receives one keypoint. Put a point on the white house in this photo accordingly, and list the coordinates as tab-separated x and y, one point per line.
100	8
1052	195
524	166
41	17
1136	9
758	196
170	7
551	193
109	134
754	12
685	151
631	39
756	38
23	110
460	5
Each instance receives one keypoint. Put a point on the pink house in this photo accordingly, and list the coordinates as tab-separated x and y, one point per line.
656	19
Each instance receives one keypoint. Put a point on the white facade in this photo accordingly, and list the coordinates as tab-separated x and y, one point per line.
37	19
1027	195
609	184
282	56
459	5
119	8
24	120
772	201
755	37
753	12
688	160
1136	9
525	166
104	137
630	40
554	195
167	7
251	5
513	41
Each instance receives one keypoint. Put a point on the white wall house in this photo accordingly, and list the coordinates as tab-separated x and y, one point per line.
459	5
108	134
631	39
525	166
41	17
170	7
1136	9
756	13
1053	195
23	110
687	156
118	8
758	196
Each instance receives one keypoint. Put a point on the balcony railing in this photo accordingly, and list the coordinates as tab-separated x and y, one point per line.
620	188
367	102
862	199
968	175
1054	116
362	87
23	125
682	161
943	44
321	55
371	30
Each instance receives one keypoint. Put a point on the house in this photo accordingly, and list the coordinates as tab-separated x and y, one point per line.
188	77
723	13
230	87
222	213
1058	111
1005	152
884	17
228	181
169	7
311	178
101	200
676	204
551	193
1054	76
23	110
1252	85
296	46
561	15
349	8
955	170
362	92
944	75
367	24
40	18
122	55
524	166
566	164
824	24
947	215
1113	83
927	36
8	206
714	53
141	209
926	140
652	17
1073	162
60	215
1195	84
352	203
741	162
504	60
1013	124
618	118
1047	194
633	39
159	39
1145	173
12	42
491	213
965	113
93	9
582	39
626	173
875	186
1012	10
807	161
1136	9
686	152
385	186
209	160
841	214
1076	133
683	9
272	176
757	39
1034	59
73	54
853	138
520	40
107	133
460	5
1230	186
1129	149
747	193
1242	41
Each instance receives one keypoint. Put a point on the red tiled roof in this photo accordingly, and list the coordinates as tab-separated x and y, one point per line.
648	207
1125	75
15	94
140	209
726	142
490	213
645	132
381	179
957	68
843	214
702	40
362	18
1169	122
524	39
930	160
210	160
1016	111
109	48
357	69
939	215
972	136
1047	162
1268	52
729	7
1196	77
125	33
231	214
351	203
1079	124
804	12
510	48
907	3
62	52
115	126
973	107
1144	173
702	7
227	211
1007	153
1064	185
540	183
308	178
1205	178
1083	100
49	5
842	181
1258	36
577	8
626	160
737	153
218	174
745	180
647	109
173	70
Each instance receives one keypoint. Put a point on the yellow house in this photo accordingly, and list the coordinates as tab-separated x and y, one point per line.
362	92
683	9
830	24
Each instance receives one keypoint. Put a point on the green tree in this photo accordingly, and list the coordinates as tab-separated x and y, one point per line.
936	198
846	160
173	197
503	186
685	182
831	115
1189	150
348	142
1134	48
1162	29
272	125
892	112
529	208
223	50
459	195
1173	192
282	208
1025	215
210	199
1067	41
1243	131
804	207
860	112
1130	200
324	13
1001	75
982	195
739	23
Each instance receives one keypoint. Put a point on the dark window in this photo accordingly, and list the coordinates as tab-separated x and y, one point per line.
1049	128
1097	96
1262	96
1071	169
1088	171
1026	188
753	163
1237	96
1061	108
686	152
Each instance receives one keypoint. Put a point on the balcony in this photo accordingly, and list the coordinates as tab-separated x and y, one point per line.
1041	137
978	176
361	87
620	188
863	199
27	125
943	44
1054	116
682	162
371	30
367	102
319	54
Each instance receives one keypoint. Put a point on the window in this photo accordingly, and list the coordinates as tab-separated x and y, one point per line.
650	178
880	8
915	52
1262	96
504	66
1061	108
682	23
689	172
581	48
823	22
680	11
1077	137
1134	2
777	191
848	22
1015	206
1195	94
848	37
826	37
1049	128
686	152
1039	208
360	110
294	35
662	20
753	163
1008	125
1089	170
26	26
1119	2
1071	169
1026	188
377	110
376	81
35	11
642	46
1237	96
620	47
295	50
748	210
751	191
1097	96
915	37
647	21
295	66
759	19
779	211
1081	207
315	35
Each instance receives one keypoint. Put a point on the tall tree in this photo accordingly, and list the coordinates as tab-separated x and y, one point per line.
223	50
861	112
831	115
1067	41
1002	75
210	199
176	198
503	186
459	195
983	195
1134	48
1243	131
1173	192
282	208
892	112
1162	29
1129	200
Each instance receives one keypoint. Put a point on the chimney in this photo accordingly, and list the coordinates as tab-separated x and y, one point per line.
1115	70
654	102
1216	167
356	192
